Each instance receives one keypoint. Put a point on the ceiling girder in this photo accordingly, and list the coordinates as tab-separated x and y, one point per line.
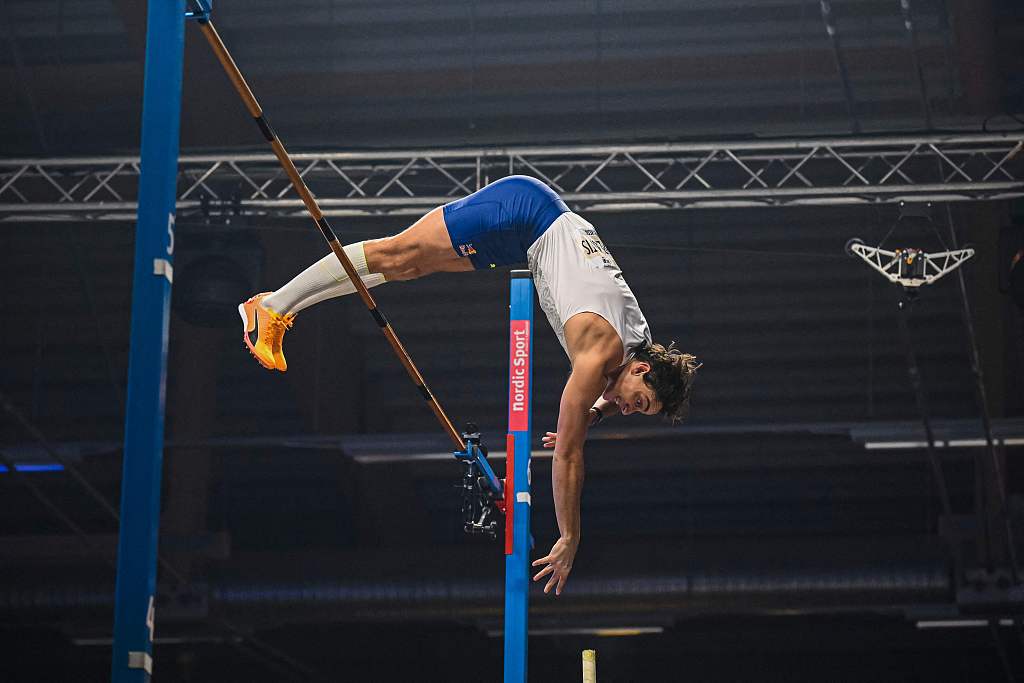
669	175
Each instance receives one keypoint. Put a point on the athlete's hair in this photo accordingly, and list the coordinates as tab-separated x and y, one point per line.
671	377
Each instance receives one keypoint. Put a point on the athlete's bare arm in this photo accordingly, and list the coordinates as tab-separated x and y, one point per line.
606	408
595	347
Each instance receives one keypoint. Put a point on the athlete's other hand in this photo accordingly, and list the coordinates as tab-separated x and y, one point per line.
548	440
559	564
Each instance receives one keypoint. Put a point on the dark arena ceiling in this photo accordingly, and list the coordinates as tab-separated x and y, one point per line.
791	530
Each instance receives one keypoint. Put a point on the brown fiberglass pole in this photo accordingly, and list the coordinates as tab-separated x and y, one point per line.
224	57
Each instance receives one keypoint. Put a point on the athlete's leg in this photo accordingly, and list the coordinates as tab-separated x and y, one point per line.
419	250
423	248
324	279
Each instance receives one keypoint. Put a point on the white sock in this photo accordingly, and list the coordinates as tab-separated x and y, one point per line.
325	279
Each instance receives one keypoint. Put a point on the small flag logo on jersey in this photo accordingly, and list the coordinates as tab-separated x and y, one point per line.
466	249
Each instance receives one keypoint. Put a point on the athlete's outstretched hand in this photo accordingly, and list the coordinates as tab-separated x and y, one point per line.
548	440
559	564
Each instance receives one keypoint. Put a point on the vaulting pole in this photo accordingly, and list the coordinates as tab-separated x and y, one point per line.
224	57
517	476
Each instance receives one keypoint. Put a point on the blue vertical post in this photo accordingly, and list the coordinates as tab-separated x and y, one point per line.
517	474
147	360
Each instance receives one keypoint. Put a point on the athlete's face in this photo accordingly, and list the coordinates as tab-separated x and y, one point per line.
630	393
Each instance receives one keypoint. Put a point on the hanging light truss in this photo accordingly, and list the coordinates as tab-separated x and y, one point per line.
910	267
762	173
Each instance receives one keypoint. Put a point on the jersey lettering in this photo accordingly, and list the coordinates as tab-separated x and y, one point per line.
595	251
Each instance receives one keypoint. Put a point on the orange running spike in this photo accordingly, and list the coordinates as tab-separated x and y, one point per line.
270	328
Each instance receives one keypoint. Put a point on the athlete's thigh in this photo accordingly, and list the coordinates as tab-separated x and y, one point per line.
428	235
428	239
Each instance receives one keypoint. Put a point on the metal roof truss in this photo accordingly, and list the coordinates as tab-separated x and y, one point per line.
762	173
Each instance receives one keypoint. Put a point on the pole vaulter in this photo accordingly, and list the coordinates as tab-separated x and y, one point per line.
485	493
616	365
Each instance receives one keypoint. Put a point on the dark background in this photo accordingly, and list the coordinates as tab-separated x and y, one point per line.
761	541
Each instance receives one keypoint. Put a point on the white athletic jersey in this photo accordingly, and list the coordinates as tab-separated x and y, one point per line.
575	273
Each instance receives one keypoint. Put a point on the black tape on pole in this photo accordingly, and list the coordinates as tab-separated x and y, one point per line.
265	128
326	230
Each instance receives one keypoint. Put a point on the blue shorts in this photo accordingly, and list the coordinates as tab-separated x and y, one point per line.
495	225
